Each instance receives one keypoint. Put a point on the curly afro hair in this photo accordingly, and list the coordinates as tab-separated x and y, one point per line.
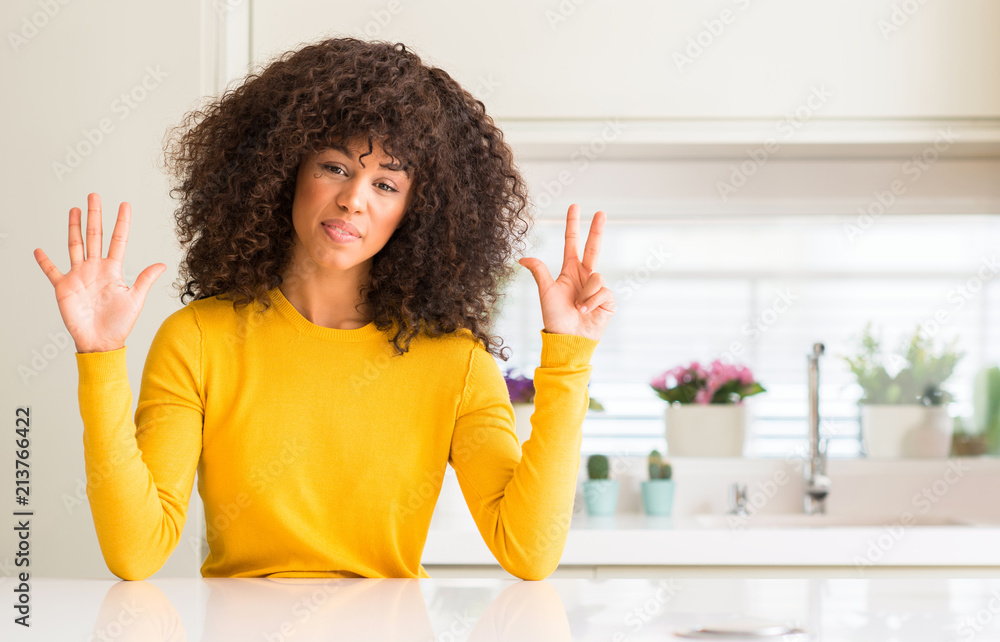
236	161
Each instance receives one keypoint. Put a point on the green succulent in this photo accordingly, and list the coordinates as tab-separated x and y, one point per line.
659	469
598	467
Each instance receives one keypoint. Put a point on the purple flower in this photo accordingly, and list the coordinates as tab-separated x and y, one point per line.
520	388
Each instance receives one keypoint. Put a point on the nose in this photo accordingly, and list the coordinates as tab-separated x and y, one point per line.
352	196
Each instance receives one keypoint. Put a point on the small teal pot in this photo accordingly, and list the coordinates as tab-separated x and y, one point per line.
601	496
658	496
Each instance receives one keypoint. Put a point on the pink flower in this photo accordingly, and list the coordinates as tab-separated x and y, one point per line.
705	383
678	374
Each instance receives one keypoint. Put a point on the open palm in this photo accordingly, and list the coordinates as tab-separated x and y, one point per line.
97	306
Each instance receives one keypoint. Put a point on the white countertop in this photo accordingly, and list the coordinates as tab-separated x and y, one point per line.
855	610
636	539
933	492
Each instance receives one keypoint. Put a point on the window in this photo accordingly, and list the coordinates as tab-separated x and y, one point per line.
773	286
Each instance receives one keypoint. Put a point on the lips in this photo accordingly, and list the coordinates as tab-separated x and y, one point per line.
343	226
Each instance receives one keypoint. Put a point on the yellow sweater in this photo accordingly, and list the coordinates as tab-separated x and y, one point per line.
318	451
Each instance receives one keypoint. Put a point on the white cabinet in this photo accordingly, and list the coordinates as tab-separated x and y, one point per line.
731	59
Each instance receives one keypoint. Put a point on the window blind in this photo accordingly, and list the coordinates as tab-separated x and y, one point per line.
760	292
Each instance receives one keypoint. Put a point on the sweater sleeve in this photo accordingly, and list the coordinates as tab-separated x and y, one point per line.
521	497
140	473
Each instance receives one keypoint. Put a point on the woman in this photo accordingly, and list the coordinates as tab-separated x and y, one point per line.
369	208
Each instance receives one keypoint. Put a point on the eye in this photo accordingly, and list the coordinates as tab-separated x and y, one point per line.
388	187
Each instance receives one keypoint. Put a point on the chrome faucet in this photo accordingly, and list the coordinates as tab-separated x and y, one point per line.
738	500
817	483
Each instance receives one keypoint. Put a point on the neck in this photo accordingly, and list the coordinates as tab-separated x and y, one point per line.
327	298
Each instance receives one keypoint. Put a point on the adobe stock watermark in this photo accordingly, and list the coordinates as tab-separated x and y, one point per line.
485	87
922	501
110	629
712	30
59	342
302	611
656	258
581	158
123	106
899	15
755	328
592	150
260	477
418	496
562	12
785	128
42	357
883	199
380	19
32	25
958	296
101	473
975	623
553	536
459	628
637	618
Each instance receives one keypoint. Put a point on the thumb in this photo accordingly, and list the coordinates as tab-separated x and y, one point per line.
539	271
146	278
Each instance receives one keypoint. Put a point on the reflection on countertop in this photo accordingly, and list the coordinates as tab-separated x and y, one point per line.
302	609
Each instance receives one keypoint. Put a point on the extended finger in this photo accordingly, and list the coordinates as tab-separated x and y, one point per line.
47	266
572	234
95	239
119	237
593	247
75	238
538	270
146	278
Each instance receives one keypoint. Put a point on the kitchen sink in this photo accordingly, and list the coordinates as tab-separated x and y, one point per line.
801	520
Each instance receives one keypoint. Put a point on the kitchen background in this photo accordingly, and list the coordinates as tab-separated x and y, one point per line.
775	174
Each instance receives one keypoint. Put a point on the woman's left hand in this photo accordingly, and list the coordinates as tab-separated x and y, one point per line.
576	302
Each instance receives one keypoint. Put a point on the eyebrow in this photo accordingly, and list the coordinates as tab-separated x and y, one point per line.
394	167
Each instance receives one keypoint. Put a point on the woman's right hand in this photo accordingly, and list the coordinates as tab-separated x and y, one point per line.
97	306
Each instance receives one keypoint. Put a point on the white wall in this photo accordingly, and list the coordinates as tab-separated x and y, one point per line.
588	59
63	81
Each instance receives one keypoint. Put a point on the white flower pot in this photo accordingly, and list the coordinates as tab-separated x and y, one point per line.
705	430
906	430
522	420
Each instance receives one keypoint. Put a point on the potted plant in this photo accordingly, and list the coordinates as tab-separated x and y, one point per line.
658	492
904	414
600	491
705	416
522	397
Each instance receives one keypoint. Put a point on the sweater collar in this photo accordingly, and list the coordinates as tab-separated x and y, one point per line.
307	327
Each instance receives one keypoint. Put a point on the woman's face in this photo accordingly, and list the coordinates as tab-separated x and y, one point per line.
334	190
